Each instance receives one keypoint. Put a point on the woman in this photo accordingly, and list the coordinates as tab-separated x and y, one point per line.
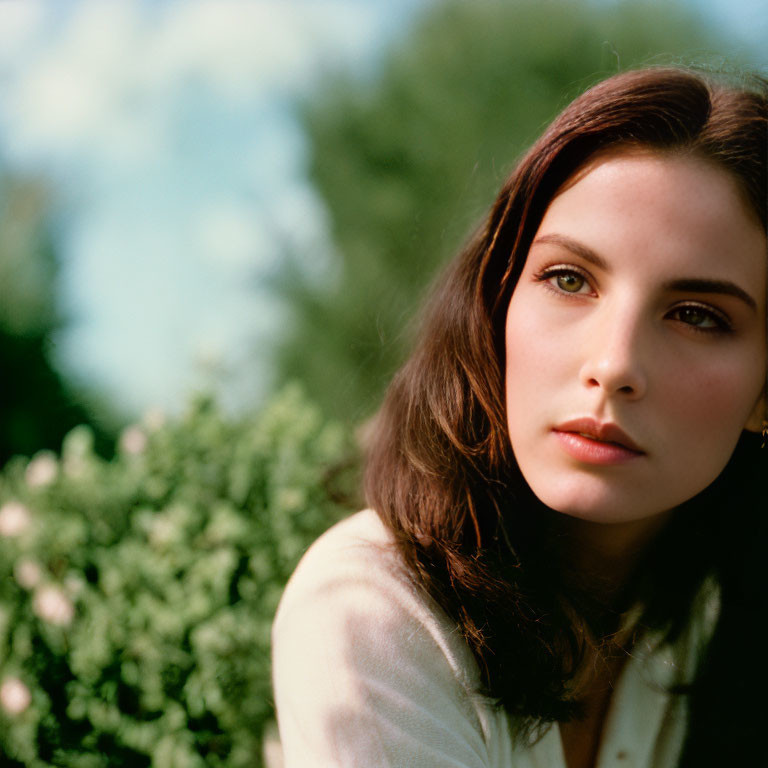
561	566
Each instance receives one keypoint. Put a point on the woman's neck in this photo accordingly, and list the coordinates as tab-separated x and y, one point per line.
603	556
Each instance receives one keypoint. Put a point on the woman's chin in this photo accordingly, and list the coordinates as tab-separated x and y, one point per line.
599	508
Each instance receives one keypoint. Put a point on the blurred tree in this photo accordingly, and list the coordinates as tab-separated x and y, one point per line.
408	163
38	407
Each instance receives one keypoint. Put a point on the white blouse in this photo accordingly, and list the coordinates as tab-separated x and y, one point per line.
369	672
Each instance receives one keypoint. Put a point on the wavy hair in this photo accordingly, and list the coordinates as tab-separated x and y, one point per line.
440	470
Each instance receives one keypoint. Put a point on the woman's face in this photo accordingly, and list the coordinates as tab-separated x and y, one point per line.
636	337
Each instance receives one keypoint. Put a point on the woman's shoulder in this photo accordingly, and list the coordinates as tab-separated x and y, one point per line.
354	579
348	552
360	539
338	566
367	666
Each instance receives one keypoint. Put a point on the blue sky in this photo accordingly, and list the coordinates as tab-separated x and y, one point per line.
178	171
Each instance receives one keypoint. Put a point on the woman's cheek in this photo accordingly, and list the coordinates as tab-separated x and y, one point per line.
711	401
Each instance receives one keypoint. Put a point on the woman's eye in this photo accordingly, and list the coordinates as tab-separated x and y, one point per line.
565	280
570	282
701	319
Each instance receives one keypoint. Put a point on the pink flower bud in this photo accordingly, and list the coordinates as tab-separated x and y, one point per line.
42	470
14	696
27	573
52	605
14	519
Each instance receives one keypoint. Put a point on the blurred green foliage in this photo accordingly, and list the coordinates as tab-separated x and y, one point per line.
409	161
38	406
137	595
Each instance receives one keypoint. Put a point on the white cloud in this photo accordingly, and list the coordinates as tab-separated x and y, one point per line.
20	23
109	68
237	48
243	48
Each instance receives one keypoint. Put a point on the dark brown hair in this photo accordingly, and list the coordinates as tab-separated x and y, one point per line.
440	471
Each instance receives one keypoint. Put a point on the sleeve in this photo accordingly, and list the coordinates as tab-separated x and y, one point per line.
368	674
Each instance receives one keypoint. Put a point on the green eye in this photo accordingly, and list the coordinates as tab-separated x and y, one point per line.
564	279
570	282
698	317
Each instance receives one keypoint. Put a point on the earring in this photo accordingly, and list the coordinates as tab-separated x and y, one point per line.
764	433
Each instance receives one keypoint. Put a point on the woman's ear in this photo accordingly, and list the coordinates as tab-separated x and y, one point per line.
757	419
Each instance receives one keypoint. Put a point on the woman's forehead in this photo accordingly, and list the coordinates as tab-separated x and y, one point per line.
662	211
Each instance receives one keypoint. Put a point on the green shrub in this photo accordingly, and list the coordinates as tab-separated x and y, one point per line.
137	595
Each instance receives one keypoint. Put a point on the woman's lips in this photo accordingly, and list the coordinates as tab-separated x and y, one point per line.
594	443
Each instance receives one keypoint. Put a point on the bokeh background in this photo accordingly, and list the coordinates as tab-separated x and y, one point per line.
217	222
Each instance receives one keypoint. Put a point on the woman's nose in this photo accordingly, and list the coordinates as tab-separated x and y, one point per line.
614	358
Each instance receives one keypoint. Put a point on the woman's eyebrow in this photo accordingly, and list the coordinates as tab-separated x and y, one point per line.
691	284
574	246
703	285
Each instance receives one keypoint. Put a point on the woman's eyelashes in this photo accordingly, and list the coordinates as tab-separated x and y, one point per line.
568	281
